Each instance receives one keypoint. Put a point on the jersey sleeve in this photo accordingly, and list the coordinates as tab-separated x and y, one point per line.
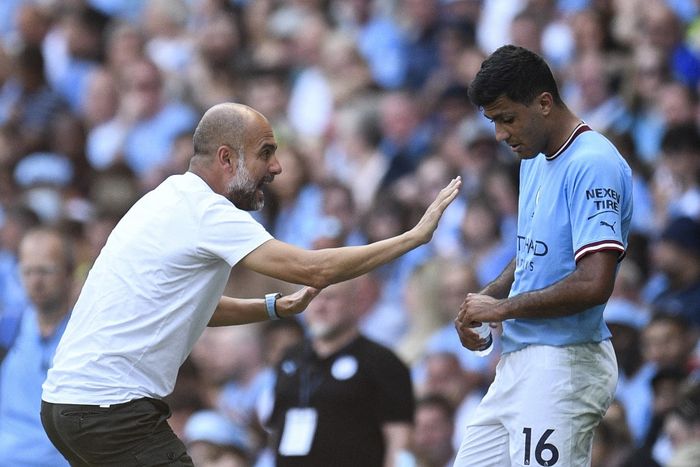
229	233
597	198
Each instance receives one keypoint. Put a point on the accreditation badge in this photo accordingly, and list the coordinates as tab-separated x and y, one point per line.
299	430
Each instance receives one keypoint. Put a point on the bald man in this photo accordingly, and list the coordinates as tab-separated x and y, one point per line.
158	282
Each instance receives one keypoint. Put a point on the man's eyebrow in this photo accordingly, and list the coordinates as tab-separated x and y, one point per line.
496	117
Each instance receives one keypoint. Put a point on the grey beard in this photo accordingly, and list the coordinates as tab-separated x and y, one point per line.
243	190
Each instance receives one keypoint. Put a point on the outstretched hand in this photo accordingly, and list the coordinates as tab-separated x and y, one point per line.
297	302
429	222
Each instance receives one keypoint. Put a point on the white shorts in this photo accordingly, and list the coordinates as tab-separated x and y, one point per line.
542	408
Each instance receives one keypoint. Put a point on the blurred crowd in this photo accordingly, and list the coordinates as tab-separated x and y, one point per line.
368	101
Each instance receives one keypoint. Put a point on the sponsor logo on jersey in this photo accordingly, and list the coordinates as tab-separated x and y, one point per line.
604	200
532	246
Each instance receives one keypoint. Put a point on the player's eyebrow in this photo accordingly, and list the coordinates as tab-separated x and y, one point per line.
492	118
498	117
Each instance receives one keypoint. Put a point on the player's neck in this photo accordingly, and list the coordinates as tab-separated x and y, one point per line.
565	123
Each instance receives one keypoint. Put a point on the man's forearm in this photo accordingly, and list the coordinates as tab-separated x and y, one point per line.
340	264
321	268
500	287
231	311
589	285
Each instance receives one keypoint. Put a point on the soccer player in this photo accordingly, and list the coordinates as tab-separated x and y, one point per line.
558	373
159	280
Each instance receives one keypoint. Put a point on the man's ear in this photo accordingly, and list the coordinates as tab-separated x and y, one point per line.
224	158
545	101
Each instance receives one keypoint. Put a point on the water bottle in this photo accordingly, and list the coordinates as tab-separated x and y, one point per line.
484	331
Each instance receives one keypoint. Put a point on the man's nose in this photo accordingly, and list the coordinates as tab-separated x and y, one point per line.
275	167
501	134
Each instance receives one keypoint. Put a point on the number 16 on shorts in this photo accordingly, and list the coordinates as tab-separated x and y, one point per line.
545	453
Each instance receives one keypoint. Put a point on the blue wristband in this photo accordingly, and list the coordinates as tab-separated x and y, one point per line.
271	305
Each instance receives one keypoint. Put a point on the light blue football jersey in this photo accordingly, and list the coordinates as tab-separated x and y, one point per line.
575	202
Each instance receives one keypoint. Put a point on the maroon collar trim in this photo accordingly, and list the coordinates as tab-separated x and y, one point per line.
581	128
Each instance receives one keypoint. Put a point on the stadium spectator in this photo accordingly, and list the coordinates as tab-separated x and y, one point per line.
379	39
668	342
27	102
421	19
676	182
229	360
683	428
462	388
432	435
655	449
295	200
73	49
406	134
340	399
482	242
101	98
145	126
216	441
420	308
46	265
353	155
634	390
17	220
676	257
213	75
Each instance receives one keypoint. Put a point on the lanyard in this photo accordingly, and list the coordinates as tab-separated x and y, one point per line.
310	380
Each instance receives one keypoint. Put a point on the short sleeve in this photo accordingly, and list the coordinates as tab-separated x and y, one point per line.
229	233
597	197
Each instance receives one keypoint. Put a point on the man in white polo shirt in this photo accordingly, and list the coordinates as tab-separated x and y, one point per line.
159	281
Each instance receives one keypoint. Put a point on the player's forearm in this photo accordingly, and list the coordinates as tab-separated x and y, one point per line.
500	287
589	285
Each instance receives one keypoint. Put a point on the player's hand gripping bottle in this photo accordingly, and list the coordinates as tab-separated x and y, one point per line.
484	331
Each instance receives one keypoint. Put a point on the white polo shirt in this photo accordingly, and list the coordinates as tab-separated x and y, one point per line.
150	294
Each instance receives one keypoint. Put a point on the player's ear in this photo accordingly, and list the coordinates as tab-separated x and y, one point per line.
545	102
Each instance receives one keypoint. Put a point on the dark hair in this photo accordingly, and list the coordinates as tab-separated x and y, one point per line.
681	137
440	402
669	373
513	72
661	316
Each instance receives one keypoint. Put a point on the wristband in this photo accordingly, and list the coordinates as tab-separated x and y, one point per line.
271	305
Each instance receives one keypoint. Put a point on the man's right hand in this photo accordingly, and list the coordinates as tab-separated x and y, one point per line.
429	222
